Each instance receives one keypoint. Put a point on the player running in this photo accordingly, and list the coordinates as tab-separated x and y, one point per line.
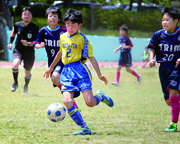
165	44
125	58
48	37
75	48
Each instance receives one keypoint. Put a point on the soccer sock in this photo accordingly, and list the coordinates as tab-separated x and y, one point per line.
76	116
59	86
27	79
117	76
175	107
15	75
135	74
75	104
98	99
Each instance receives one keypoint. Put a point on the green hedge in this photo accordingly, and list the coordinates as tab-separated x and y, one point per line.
111	19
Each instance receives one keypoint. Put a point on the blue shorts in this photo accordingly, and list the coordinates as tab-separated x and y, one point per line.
58	68
125	59
169	77
76	77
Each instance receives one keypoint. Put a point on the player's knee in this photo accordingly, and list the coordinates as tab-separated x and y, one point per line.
129	71
55	80
167	102
89	103
67	102
15	66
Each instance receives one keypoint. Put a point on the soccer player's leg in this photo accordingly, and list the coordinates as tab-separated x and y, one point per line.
92	101
75	114
28	64
175	109
118	73
15	70
104	98
85	87
55	78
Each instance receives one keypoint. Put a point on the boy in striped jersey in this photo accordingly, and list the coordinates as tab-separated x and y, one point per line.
75	49
48	37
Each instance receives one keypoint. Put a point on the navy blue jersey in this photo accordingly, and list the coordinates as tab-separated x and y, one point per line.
126	42
51	39
166	45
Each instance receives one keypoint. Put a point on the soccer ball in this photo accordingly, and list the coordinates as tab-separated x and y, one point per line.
56	112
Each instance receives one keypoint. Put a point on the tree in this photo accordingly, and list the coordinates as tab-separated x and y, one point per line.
139	5
67	3
23	2
130	5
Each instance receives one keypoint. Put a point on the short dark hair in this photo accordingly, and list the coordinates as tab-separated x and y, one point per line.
26	8
53	10
74	16
124	28
172	12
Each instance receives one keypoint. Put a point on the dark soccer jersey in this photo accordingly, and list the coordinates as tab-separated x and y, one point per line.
27	33
126	42
166	45
51	39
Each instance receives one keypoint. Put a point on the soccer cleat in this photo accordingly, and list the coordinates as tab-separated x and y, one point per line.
115	83
172	128
25	90
14	87
106	99
79	109
139	79
83	131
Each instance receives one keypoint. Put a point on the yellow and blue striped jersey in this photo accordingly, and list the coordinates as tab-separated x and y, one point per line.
75	48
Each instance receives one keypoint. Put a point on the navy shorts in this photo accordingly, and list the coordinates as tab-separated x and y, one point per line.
125	59
169	77
76	77
27	56
58	68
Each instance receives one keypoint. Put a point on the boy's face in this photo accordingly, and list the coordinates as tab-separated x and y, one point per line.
122	32
169	24
26	16
53	19
72	27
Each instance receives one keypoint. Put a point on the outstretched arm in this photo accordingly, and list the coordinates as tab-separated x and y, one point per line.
41	45
54	63
97	69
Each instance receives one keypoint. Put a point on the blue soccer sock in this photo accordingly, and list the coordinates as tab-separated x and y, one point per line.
99	98
76	116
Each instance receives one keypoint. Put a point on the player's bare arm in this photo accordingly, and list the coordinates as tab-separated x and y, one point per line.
41	45
117	49
26	43
177	62
126	47
151	56
54	63
9	46
97	69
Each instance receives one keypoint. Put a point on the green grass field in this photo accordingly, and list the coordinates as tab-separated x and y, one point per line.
139	115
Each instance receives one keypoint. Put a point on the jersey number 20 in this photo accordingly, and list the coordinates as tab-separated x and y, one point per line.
168	57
